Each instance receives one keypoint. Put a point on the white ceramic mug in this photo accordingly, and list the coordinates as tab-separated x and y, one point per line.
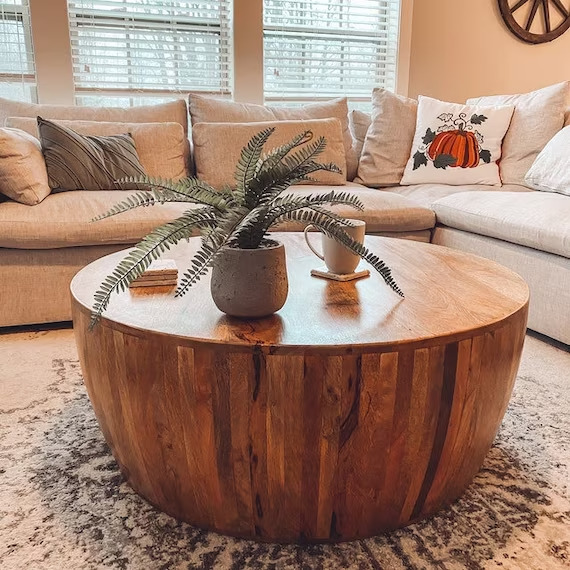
337	257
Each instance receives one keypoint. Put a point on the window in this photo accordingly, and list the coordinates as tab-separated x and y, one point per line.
149	48
329	48
17	73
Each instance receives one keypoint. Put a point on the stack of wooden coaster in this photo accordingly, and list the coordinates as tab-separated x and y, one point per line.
160	272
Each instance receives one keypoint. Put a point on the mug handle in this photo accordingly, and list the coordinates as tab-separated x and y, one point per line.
320	256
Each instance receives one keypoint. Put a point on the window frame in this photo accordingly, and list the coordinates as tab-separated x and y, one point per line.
346	39
18	13
141	23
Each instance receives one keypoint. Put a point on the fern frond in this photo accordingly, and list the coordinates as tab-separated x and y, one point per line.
250	232
147	250
289	178
248	161
189	189
284	204
305	154
203	259
276	155
333	197
329	226
142	199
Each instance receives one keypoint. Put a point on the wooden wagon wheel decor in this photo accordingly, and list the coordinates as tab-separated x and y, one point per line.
522	18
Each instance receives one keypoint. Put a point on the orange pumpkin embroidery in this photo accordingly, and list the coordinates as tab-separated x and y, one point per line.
455	143
461	145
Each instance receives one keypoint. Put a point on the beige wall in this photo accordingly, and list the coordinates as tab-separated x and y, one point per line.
461	49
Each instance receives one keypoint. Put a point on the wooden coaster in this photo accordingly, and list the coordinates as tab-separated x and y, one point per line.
159	273
326	274
156	283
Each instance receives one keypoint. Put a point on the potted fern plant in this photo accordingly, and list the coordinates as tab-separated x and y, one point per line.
234	225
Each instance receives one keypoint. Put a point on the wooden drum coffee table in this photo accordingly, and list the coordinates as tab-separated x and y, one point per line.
349	413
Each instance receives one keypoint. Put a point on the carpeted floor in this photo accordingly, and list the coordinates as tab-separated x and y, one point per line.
64	505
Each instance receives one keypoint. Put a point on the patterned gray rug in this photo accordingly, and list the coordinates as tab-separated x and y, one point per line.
64	504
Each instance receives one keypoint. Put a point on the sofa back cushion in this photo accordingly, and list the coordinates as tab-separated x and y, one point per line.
538	116
84	162
171	112
163	148
217	147
388	139
211	110
23	175
550	172
359	123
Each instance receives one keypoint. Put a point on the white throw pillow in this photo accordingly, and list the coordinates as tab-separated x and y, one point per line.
204	109
23	173
217	147
538	116
550	171
388	140
457	144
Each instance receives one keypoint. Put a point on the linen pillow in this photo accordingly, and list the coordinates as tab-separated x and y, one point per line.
217	147
205	109
23	175
163	148
359	123
550	171
170	112
389	139
457	144
537	118
85	162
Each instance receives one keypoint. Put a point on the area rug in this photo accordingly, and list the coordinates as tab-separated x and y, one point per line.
65	505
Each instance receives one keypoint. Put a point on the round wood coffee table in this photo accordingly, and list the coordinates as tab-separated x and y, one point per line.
349	413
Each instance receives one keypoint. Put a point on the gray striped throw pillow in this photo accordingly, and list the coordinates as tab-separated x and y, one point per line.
86	162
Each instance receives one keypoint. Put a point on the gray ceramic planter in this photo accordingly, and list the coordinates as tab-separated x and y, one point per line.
250	282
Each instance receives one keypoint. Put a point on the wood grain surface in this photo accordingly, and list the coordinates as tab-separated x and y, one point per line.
348	414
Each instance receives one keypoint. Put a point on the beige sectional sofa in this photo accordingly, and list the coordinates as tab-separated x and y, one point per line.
43	246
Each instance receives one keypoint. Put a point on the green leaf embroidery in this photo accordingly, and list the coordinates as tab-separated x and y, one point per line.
444	160
428	137
485	156
477	119
420	159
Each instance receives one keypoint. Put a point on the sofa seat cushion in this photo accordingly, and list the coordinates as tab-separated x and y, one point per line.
383	211
427	194
63	220
534	219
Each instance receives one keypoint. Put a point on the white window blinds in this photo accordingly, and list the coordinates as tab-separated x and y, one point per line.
150	47
17	73
329	48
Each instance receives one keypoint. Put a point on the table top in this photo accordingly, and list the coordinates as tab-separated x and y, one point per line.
448	294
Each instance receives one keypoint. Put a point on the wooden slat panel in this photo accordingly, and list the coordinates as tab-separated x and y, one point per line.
329	443
241	375
258	439
312	410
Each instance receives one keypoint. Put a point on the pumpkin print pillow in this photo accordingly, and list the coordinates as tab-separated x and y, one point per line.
457	144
